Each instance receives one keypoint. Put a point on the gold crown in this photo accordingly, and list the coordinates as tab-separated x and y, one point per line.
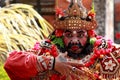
76	17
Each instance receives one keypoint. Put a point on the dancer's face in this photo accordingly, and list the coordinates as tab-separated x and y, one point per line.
75	40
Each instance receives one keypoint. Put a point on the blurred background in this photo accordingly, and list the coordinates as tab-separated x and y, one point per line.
107	15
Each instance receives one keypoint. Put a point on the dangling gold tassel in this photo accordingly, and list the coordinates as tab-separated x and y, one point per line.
115	76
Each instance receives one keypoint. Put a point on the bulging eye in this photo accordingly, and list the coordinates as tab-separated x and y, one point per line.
69	35
80	35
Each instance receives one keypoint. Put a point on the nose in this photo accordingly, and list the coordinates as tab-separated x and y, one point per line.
75	40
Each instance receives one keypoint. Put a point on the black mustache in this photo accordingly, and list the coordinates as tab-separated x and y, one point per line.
70	44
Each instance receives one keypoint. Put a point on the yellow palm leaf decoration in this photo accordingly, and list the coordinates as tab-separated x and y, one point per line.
21	26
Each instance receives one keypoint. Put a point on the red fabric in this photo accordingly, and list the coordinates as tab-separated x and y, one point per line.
21	65
57	77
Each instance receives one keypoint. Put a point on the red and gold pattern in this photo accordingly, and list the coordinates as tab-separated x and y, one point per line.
105	58
75	18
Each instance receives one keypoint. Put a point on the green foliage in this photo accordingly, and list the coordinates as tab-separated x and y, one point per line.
58	41
3	74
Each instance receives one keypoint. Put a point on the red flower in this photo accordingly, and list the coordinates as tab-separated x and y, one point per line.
91	33
59	12
58	33
92	14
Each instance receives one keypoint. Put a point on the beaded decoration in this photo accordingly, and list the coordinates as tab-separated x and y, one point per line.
75	17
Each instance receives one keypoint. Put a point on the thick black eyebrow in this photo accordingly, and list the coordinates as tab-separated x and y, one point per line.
81	31
67	31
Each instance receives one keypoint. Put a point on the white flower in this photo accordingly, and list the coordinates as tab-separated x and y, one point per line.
109	65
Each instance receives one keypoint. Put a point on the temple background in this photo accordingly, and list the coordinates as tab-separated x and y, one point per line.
107	13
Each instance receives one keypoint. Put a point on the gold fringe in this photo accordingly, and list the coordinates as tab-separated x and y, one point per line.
115	76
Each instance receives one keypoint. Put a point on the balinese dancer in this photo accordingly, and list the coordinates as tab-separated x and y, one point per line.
72	52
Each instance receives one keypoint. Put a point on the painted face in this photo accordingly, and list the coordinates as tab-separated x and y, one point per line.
75	40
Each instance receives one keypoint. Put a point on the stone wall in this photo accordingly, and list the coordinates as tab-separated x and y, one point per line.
100	16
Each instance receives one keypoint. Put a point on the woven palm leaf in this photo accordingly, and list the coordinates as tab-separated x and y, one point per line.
20	27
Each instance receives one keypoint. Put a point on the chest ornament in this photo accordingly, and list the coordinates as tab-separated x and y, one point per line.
109	67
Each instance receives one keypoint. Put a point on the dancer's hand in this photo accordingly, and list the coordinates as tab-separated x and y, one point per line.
67	68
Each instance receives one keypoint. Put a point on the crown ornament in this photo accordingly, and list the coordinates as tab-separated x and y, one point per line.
75	17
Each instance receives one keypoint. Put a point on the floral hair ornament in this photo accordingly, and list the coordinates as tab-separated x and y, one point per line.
59	13
91	13
57	38
75	17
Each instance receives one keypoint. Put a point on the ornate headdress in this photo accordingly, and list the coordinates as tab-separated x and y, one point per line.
75	17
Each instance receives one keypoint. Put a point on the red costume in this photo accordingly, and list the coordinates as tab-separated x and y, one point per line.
74	33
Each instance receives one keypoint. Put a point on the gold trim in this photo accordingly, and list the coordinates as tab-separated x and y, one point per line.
75	23
115	71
